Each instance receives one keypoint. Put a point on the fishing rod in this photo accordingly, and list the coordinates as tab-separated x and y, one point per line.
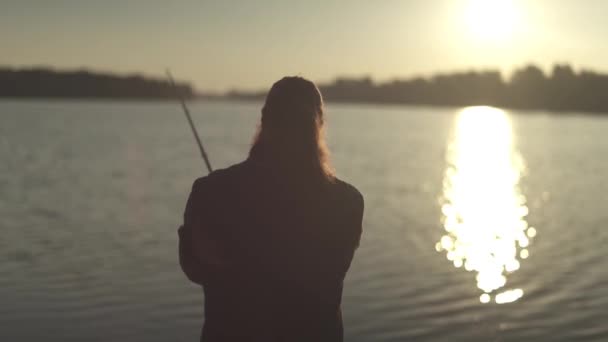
187	112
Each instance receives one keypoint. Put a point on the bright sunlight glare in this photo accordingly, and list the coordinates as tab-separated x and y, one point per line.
484	211
491	19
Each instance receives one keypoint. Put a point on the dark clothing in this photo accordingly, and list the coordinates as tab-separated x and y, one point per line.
270	252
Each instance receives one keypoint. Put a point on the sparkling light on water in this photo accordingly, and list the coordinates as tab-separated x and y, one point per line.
483	209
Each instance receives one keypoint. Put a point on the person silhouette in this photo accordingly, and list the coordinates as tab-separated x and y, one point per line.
270	239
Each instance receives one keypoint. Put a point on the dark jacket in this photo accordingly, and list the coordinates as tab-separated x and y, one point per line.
271	253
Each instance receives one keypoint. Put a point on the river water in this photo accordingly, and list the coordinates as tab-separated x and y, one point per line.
480	224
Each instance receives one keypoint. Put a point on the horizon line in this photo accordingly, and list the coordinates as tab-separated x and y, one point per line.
505	75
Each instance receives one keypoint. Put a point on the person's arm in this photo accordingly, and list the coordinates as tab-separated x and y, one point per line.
198	253
353	230
358	213
188	263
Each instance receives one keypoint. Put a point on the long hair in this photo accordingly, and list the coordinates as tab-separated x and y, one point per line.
291	132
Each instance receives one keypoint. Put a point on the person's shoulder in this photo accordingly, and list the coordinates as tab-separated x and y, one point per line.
219	177
351	203
348	191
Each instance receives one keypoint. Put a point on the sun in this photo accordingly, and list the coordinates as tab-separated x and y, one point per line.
491	19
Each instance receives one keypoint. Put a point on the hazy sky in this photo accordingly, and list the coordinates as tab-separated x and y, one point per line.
249	44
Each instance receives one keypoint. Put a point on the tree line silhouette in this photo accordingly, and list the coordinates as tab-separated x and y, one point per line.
529	87
562	89
43	82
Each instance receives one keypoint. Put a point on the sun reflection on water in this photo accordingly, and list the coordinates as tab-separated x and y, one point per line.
484	211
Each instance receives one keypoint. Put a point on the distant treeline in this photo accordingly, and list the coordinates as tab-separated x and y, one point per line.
43	82
528	88
563	89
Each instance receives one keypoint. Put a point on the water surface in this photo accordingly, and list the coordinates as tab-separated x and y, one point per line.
91	194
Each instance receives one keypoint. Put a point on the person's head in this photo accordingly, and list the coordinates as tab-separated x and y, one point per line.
291	129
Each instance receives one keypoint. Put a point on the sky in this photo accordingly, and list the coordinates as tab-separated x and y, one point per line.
248	44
